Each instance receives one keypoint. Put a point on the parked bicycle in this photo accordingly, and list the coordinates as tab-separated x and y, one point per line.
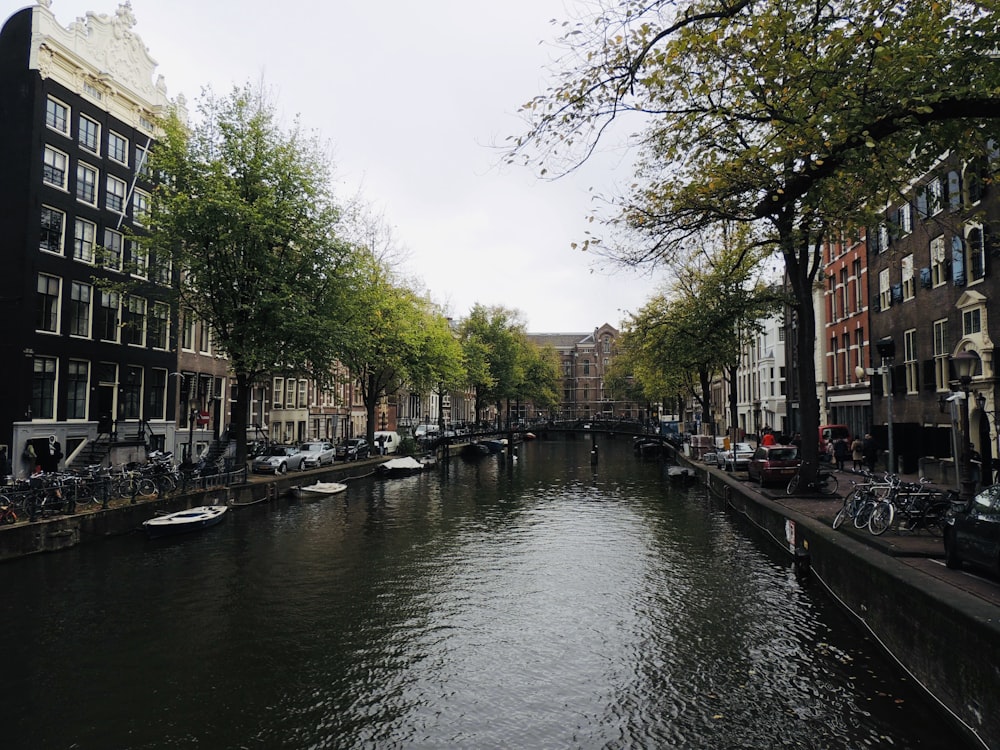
825	482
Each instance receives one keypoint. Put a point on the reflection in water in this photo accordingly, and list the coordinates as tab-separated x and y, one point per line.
546	604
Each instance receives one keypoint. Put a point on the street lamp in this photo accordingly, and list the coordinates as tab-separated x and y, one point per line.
965	365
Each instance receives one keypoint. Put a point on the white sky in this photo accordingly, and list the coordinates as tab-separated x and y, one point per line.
413	95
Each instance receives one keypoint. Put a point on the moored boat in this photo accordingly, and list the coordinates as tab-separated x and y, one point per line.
400	467
192	519
319	489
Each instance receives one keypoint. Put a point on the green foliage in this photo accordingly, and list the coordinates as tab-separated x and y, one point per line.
244	214
795	117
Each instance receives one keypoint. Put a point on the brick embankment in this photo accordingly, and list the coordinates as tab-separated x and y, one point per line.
941	625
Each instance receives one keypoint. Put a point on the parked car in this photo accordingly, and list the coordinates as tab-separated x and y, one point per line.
277	459
972	533
773	463
353	449
320	453
736	458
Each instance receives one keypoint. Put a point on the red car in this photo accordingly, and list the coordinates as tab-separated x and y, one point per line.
773	464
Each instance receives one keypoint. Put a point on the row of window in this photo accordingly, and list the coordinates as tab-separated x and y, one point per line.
951	192
142	393
967	265
56	174
58	117
293	393
90	313
845	355
87	246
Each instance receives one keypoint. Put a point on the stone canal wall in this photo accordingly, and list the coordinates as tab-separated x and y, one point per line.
946	638
124	517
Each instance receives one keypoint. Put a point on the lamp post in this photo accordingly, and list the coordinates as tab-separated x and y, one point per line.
965	365
756	420
886	349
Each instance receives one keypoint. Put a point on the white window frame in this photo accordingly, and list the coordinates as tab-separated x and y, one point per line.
910	360
87	177
50	281
140	207
55	122
115	193
138	259
118	147
972	321
80	365
116	298
62	230
53	368
76	292
939	261
975	248
941	355
114	250
906	269
87	144
884	290
55	163
84	240
135	308
161	312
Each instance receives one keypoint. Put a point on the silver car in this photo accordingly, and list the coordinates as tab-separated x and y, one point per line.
319	453
277	459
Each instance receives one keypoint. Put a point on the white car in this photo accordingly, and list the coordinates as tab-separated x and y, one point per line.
317	454
735	459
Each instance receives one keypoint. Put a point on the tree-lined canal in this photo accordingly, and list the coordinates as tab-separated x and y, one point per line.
543	604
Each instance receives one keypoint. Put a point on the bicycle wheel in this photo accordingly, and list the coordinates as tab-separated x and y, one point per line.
827	484
881	517
848	509
147	487
793	484
863	514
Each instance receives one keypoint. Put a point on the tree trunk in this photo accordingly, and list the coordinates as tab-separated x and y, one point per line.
800	263
238	418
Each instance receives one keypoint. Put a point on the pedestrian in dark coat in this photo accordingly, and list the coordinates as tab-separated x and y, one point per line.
870	451
840	452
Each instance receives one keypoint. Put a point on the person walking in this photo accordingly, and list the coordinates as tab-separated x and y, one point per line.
840	452
858	454
870	451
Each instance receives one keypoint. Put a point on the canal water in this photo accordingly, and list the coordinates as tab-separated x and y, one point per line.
544	604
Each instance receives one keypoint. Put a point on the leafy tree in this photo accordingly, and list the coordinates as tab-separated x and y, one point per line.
491	342
244	213
389	335
797	116
542	379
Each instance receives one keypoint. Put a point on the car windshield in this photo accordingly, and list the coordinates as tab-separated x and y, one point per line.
311	447
277	450
783	454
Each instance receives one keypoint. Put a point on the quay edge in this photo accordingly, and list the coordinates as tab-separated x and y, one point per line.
65	531
947	639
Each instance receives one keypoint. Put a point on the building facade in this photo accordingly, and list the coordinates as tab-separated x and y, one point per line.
933	278
84	358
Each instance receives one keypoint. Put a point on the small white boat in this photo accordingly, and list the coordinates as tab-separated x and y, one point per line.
320	489
400	467
182	521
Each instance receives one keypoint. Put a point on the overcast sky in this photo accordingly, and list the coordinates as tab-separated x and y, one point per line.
414	96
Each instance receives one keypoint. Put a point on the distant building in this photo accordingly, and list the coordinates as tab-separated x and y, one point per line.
584	361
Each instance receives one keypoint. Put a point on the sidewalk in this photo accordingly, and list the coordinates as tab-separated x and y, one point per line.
921	550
